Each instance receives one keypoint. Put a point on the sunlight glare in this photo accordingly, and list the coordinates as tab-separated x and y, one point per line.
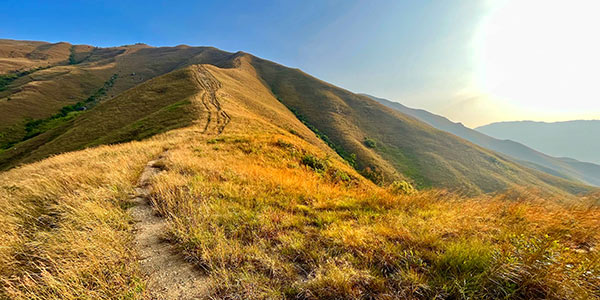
541	54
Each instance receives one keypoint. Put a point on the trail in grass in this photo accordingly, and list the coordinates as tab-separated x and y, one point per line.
217	118
169	275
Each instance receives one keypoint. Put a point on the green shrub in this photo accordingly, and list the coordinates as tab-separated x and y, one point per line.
314	162
283	144
6	79
370	143
373	174
215	140
402	187
72	60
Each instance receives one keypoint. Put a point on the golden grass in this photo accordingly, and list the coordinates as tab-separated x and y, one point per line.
264	225
270	215
64	229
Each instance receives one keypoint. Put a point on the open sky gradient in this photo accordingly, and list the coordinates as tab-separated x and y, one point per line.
455	58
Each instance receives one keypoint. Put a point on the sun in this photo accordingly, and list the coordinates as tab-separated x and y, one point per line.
541	54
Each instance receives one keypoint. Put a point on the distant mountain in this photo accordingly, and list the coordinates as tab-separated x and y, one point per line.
563	167
575	139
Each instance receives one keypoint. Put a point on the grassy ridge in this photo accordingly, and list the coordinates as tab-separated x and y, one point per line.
266	221
350	158
66	113
268	214
157	106
407	148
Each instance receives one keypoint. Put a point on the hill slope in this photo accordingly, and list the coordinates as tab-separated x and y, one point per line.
566	168
403	146
574	139
118	94
265	210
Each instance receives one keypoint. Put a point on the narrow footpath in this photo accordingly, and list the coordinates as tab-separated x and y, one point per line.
169	275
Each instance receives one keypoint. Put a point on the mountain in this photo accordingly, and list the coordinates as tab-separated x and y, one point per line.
572	169
109	95
574	139
137	172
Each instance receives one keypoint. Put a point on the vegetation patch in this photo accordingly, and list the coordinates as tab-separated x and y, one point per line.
6	79
370	143
402	187
314	162
350	158
66	113
72	60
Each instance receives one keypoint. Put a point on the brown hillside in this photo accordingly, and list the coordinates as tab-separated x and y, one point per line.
264	213
383	144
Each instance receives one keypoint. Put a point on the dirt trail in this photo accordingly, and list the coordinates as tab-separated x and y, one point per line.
217	118
169	275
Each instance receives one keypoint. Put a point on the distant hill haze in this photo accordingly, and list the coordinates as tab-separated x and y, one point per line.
563	167
60	97
575	139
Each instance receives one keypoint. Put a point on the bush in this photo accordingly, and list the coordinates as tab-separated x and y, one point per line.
370	143
402	187
314	162
283	144
373	174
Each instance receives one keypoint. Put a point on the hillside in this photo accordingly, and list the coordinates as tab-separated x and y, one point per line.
571	139
22	55
100	94
259	207
387	142
562	167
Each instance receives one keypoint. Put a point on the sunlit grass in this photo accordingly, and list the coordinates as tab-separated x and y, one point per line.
64	229
268	216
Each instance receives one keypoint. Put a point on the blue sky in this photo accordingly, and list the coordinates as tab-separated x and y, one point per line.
419	53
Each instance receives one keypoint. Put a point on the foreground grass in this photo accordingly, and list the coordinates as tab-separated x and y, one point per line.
267	216
64	230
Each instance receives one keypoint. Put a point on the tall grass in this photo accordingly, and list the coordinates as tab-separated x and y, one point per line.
64	230
268	216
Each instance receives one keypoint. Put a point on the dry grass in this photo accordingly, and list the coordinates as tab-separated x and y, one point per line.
405	148
64	229
248	210
272	215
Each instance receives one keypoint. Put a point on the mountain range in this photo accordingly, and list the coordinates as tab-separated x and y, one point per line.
570	139
567	168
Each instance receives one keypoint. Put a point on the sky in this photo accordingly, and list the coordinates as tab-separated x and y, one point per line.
473	61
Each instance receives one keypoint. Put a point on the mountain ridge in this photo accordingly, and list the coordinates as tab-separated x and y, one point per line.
565	168
339	119
574	139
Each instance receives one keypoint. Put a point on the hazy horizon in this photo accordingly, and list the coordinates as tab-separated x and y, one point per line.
475	62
